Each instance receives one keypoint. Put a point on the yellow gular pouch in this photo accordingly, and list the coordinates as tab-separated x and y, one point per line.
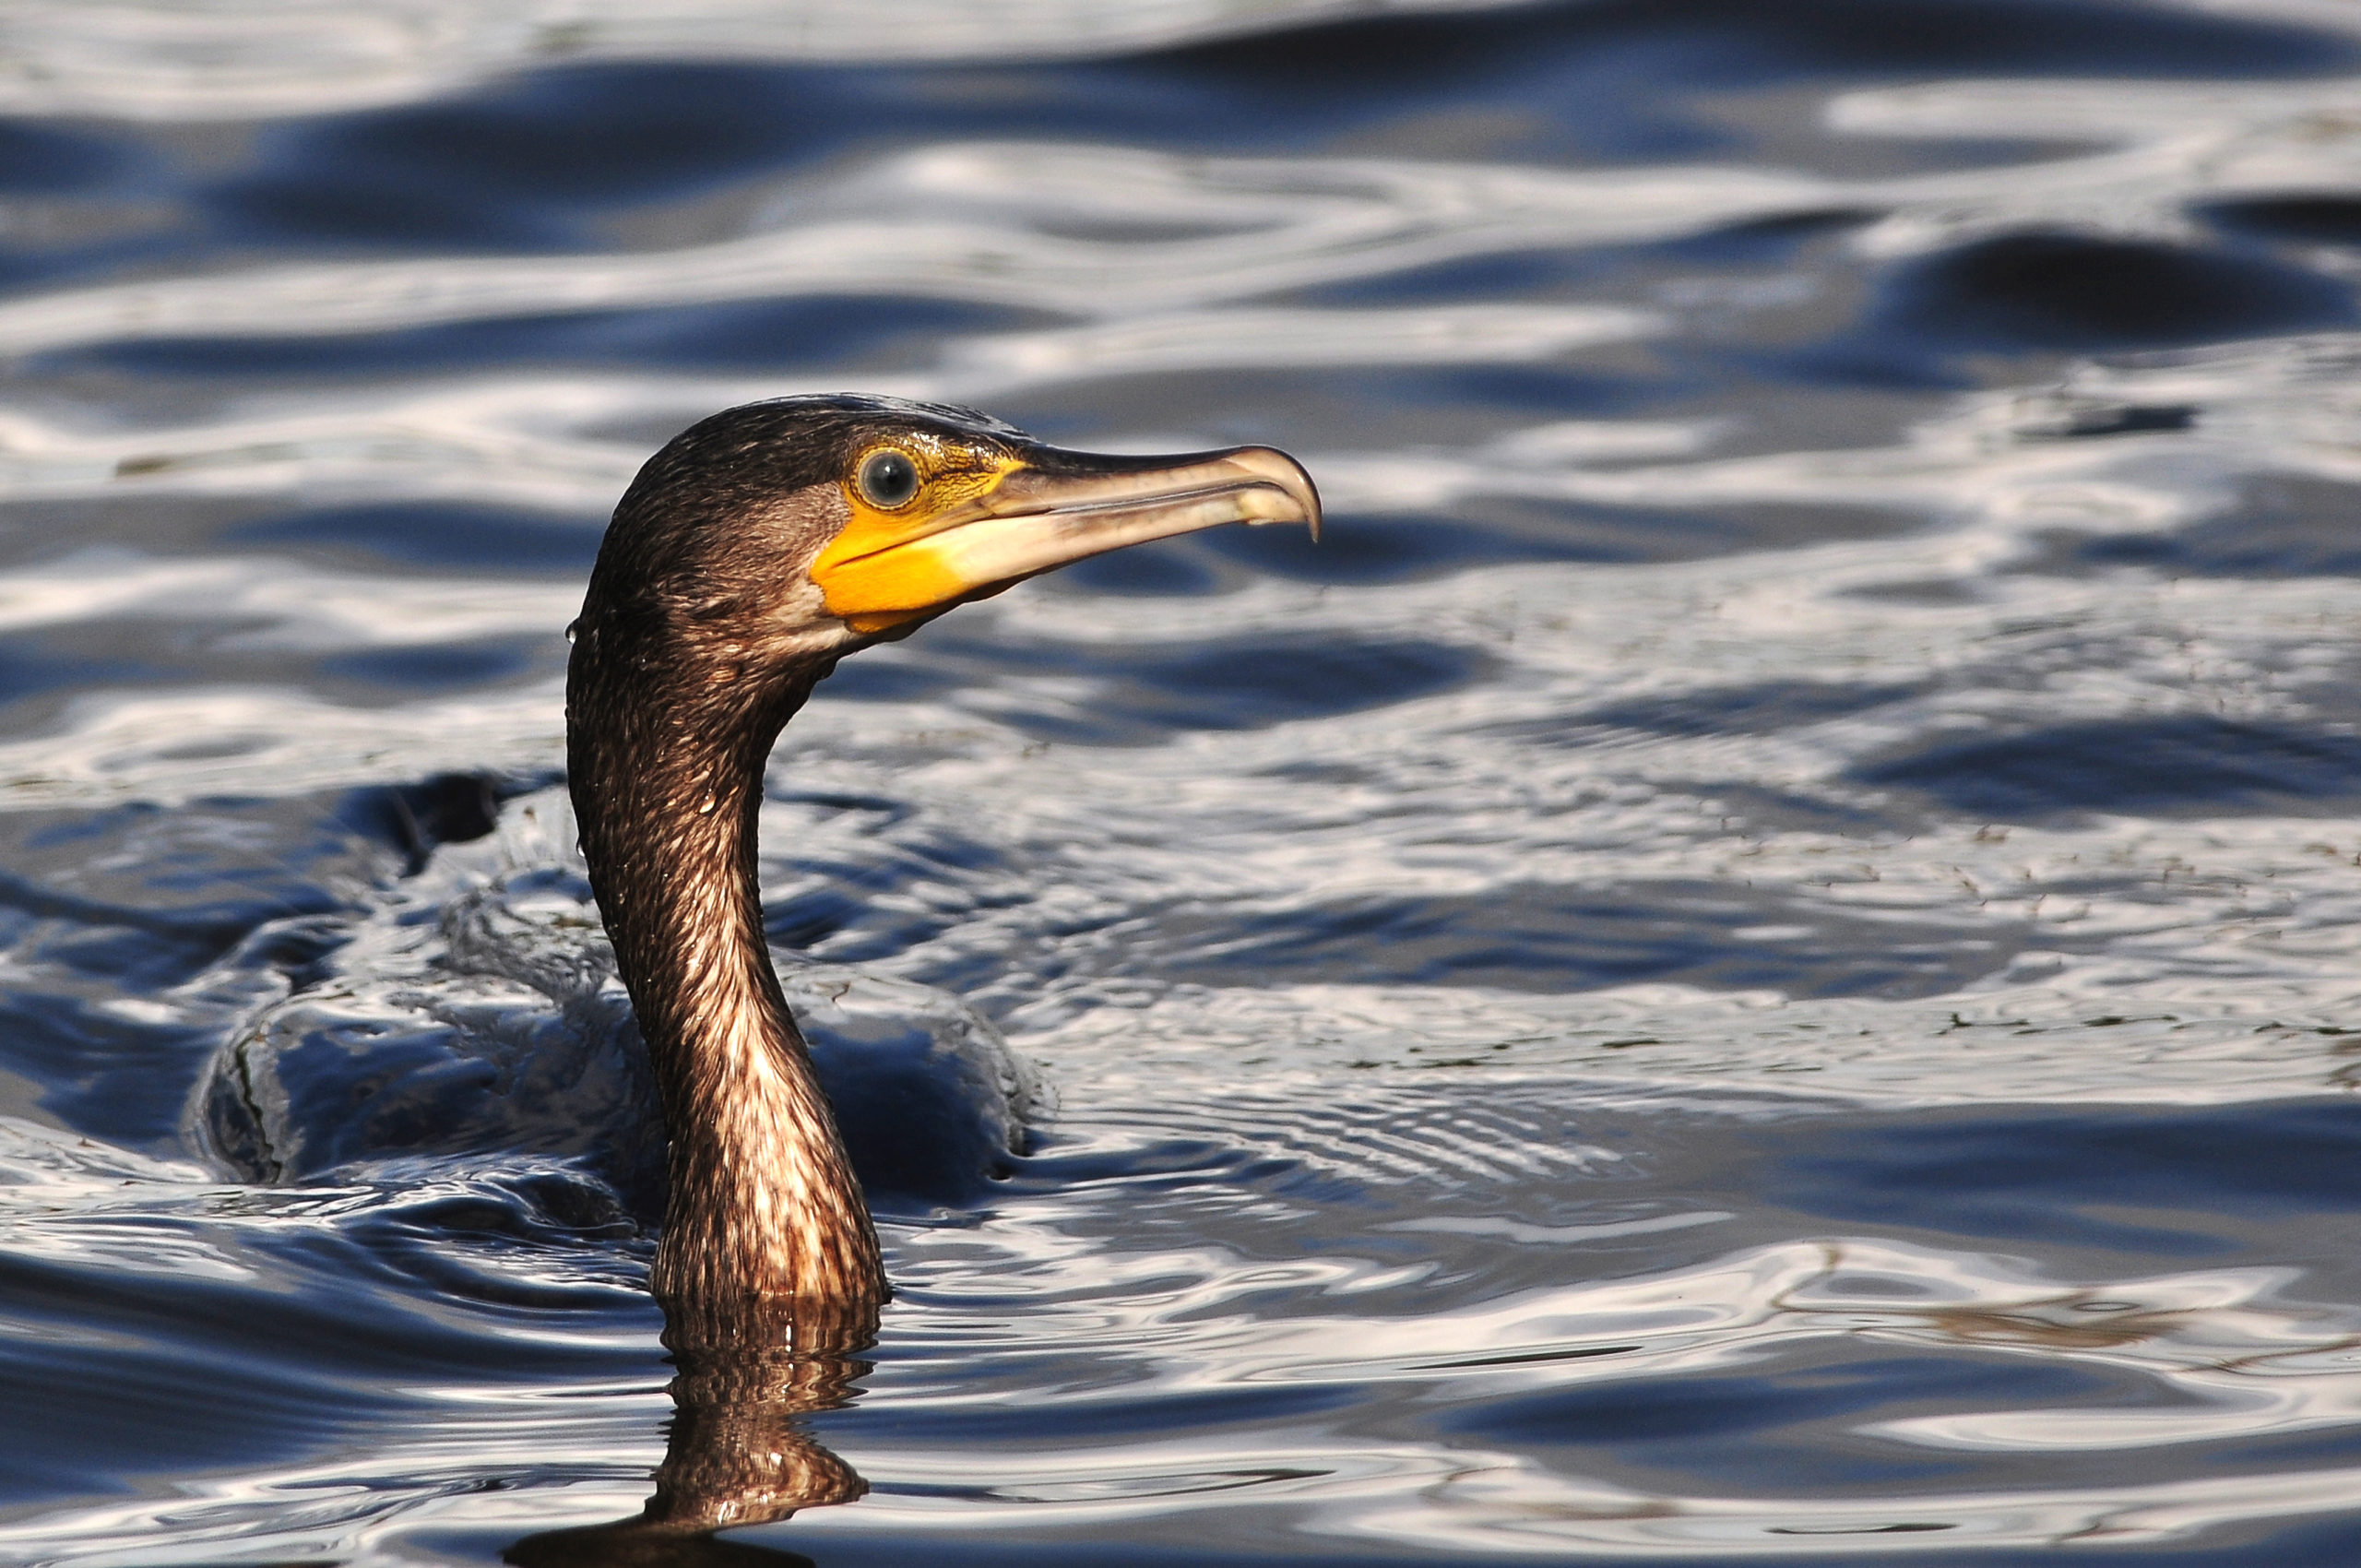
935	516
880	570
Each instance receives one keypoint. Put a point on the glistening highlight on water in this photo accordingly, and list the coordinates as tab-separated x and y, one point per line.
1756	956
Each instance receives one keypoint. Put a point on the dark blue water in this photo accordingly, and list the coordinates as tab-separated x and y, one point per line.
1758	955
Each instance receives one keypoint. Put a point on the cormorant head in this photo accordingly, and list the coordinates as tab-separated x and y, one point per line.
750	554
785	533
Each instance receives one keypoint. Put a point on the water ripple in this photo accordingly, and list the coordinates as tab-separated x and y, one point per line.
1753	956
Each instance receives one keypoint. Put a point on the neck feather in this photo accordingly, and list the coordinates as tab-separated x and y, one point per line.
763	1199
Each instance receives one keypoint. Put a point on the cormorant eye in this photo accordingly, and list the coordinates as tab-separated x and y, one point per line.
888	480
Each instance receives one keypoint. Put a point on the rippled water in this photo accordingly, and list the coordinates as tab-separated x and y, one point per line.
1759	955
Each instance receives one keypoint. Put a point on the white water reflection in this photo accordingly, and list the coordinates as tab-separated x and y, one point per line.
2222	1340
1339	1170
1992	468
2227	1355
224	59
2219	984
1005	222
1507	1509
535	442
987	224
282	604
230	59
172	748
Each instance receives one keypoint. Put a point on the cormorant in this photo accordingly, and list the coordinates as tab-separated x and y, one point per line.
750	554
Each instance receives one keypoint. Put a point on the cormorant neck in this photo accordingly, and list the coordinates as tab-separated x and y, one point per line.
666	770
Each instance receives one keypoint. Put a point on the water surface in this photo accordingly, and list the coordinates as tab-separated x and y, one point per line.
1754	957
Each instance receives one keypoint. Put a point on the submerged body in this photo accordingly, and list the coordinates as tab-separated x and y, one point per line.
753	552
474	1015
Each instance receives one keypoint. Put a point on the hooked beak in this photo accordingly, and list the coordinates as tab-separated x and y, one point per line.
1050	508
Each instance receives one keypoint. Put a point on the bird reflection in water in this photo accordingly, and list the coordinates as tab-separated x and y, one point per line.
748	1373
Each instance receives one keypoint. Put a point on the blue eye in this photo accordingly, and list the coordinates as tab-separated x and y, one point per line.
888	480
